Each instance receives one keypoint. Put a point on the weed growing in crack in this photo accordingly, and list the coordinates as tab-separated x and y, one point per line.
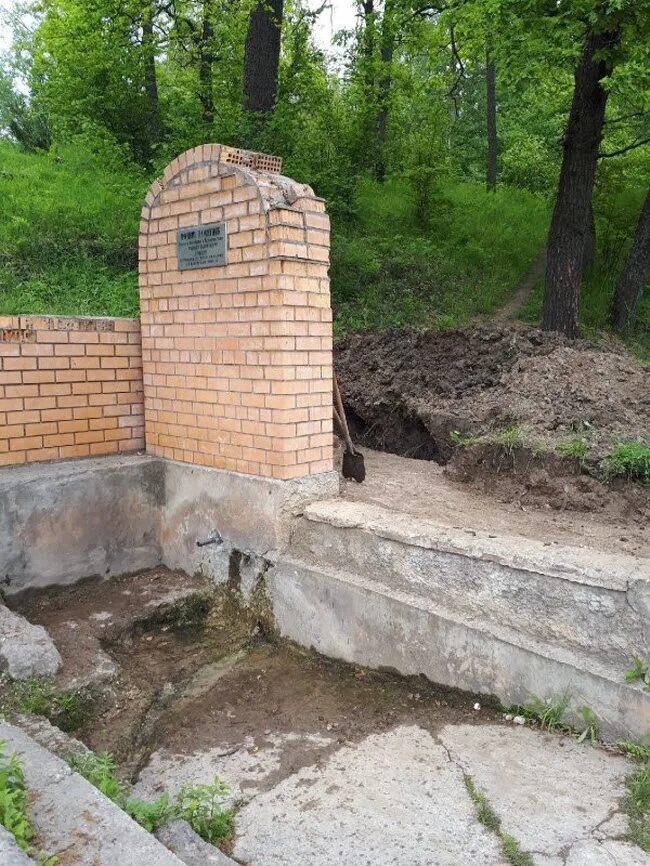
68	710
14	815
592	725
204	807
549	712
640	751
491	821
101	771
640	672
637	806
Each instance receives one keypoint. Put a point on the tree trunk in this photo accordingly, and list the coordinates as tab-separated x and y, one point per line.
570	220
150	82
206	60
589	256
491	93
635	274
385	83
262	56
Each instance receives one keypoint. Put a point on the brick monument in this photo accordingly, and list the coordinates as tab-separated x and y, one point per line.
236	317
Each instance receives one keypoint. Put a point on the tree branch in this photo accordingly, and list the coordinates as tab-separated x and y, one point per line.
638	143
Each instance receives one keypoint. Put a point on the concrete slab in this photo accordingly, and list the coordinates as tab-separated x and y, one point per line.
553	795
248	769
393	798
26	650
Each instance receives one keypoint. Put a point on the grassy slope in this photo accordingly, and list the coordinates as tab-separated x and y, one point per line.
68	228
390	269
68	231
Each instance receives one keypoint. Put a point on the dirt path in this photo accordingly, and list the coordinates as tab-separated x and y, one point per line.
521	294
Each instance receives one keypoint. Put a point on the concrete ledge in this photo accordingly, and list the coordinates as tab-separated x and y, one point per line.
60	522
569	600
362	622
64	521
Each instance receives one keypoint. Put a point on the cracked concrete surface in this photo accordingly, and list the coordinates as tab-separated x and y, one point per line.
398	797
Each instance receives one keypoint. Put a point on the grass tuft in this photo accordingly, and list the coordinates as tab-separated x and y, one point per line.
630	460
491	821
68	710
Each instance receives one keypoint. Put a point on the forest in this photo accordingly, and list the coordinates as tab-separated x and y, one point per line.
470	151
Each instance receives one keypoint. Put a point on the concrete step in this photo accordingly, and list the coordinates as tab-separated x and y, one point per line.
507	615
74	819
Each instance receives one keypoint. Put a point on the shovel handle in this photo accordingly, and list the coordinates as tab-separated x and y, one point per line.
340	415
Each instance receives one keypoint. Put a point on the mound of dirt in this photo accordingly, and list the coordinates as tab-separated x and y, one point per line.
423	394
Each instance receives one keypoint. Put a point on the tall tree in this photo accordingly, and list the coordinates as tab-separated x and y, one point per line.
570	222
491	102
262	56
206	61
150	80
635	274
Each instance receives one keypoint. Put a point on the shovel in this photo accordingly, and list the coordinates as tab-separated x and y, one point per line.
353	463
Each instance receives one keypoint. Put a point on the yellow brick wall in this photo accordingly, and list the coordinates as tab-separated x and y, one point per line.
69	387
237	360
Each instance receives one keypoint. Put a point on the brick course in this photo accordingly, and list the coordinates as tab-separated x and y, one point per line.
237	359
69	387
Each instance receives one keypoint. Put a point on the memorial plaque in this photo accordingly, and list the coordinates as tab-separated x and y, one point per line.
201	246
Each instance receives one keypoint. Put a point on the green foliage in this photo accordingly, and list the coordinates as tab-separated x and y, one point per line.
13	800
549	713
510	439
640	751
639	672
68	229
388	270
101	771
576	447
591	726
205	809
637	806
69	710
630	460
149	815
491	821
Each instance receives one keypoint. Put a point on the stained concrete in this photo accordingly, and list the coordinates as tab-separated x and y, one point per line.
60	522
26	650
64	521
399	797
250	514
393	799
181	840
355	619
552	794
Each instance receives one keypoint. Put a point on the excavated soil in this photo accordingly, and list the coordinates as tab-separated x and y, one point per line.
497	406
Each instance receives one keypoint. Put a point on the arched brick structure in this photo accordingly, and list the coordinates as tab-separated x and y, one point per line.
237	358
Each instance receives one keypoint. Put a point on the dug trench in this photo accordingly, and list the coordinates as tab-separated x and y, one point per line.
515	413
323	759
